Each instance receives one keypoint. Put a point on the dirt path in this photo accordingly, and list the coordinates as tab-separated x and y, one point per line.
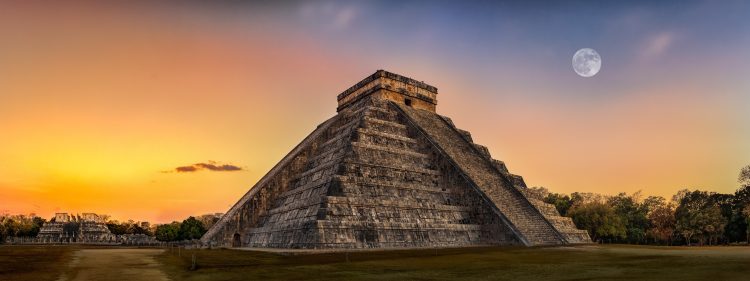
115	264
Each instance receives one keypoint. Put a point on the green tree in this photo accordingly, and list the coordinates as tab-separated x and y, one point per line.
10	226
744	177
135	228
168	232
633	214
562	202
737	227
191	228
537	192
713	225
699	216
22	225
209	220
3	229
661	221
117	228
599	219
36	223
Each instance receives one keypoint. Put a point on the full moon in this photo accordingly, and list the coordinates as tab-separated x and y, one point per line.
587	62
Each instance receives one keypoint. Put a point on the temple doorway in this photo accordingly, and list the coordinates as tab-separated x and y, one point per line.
236	241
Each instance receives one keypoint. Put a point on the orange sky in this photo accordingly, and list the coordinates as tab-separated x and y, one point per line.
97	102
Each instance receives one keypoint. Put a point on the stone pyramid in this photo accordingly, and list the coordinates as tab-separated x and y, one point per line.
389	172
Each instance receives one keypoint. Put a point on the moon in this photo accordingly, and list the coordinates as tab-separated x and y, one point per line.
587	62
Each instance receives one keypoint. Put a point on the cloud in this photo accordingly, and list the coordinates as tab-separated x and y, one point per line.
344	17
658	44
332	14
210	166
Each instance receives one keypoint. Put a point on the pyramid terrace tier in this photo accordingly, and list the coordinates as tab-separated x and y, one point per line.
388	172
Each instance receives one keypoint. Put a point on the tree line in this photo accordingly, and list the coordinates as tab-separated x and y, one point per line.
190	228
19	225
689	218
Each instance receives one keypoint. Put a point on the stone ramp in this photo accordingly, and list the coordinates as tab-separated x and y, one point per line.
528	223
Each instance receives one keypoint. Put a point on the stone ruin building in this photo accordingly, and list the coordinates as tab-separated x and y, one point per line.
387	171
64	228
88	228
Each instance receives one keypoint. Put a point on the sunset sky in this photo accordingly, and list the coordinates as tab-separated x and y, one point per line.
101	103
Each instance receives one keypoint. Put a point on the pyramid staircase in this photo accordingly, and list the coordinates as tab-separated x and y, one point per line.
382	174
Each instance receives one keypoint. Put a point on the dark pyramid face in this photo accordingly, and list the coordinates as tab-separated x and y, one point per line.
387	172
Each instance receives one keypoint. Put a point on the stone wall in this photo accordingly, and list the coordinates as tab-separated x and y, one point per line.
393	87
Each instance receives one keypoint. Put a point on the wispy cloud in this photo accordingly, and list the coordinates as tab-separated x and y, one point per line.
331	13
658	44
209	166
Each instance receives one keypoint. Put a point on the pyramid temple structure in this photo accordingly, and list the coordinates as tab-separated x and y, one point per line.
387	171
64	228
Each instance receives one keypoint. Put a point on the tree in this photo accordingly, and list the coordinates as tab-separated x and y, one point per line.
737	228
136	228
744	177
21	225
713	224
699	216
746	212
633	214
562	202
599	219
585	197
3	229
168	232
117	228
662	221
37	223
191	228
209	220
725	203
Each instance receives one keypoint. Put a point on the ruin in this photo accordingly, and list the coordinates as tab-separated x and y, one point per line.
63	228
387	171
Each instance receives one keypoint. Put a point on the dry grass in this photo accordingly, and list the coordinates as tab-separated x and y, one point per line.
33	262
611	262
570	263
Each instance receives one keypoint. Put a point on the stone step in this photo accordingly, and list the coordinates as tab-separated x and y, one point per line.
548	210
321	171
384	114
511	203
369	182
404	159
387	173
373	137
394	202
390	225
324	158
388	127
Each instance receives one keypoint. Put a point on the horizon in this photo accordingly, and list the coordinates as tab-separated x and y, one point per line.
160	111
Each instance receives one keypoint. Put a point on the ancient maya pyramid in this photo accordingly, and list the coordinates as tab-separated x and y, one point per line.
388	172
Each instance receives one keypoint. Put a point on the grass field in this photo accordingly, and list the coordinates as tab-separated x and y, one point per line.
611	262
33	262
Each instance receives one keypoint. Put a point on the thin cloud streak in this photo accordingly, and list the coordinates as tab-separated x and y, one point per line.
210	166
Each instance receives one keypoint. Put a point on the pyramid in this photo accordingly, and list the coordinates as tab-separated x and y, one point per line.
387	171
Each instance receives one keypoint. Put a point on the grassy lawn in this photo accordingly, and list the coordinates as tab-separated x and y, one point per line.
611	262
33	262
